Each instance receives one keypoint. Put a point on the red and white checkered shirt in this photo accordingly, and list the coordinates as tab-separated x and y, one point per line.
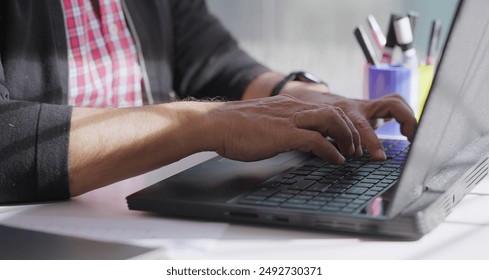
103	62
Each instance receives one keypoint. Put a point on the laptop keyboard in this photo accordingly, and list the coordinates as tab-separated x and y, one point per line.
320	186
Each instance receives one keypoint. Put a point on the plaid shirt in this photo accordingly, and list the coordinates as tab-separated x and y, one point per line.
102	56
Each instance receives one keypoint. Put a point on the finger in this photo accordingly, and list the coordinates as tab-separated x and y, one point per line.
357	147
369	137
327	121
313	142
394	106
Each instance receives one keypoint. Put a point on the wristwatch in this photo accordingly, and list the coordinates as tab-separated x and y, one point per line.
297	76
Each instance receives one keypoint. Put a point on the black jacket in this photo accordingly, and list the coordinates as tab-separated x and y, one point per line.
182	48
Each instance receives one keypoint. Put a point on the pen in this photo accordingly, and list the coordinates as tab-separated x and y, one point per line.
391	41
434	41
366	46
377	33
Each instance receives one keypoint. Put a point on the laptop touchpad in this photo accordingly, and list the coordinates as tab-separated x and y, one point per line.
220	179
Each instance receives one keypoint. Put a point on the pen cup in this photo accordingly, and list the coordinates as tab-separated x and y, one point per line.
384	80
426	73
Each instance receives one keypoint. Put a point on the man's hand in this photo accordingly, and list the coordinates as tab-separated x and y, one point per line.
261	128
362	113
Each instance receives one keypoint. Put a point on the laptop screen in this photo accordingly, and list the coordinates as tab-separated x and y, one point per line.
453	132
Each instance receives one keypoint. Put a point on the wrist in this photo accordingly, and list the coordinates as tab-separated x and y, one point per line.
193	123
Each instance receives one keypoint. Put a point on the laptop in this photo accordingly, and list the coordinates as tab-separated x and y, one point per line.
406	196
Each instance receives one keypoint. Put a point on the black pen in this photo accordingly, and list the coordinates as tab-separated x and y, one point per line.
434	41
366	46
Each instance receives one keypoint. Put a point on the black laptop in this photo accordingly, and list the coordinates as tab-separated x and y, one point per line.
405	196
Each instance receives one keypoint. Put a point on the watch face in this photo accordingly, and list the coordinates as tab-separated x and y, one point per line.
308	77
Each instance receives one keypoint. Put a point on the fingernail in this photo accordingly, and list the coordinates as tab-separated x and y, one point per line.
359	150
380	155
341	159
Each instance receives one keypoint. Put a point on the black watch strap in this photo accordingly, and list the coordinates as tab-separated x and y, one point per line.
278	88
295	76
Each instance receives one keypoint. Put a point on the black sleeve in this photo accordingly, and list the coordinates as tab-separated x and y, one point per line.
208	60
33	150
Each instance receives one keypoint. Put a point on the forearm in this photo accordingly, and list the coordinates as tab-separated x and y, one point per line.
109	145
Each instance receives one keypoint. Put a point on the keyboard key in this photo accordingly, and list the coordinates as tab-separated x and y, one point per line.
344	186
320	173
387	181
328	208
316	202
301	172
335	190
308	192
378	177
284	195
290	182
356	190
328	181
321	198
350	196
348	181
255	197
337	204
277	199
345	200
265	192
320	187
366	169
364	185
296	201
301	185
370	181
306	168
250	202
269	203
305	197
289	191
314	178
288	176
371	193
326	169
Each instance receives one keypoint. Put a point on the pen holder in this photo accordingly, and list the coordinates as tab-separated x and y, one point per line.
384	80
426	73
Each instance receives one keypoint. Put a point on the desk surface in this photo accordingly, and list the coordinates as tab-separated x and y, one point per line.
103	215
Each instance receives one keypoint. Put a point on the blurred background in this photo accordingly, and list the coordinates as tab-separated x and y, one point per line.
317	35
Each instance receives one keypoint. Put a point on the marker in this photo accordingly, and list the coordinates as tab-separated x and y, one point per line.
434	41
391	40
413	18
376	32
366	46
404	37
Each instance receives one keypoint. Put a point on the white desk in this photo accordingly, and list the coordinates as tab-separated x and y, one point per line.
103	215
